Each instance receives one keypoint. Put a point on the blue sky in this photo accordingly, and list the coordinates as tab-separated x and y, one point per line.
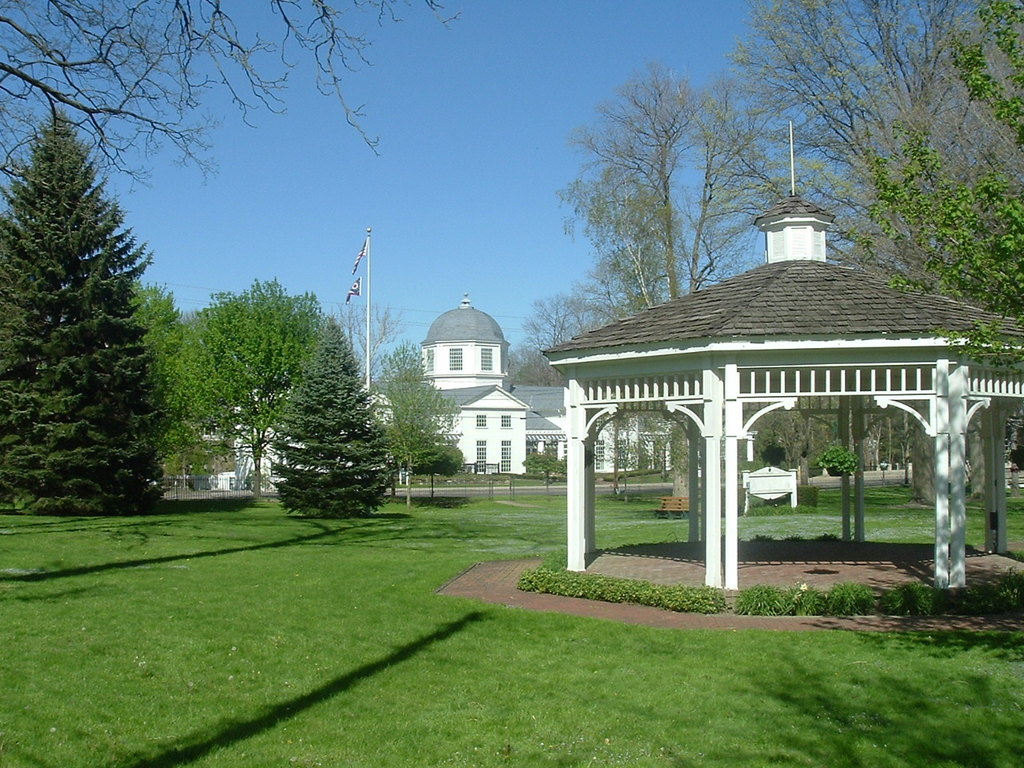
474	120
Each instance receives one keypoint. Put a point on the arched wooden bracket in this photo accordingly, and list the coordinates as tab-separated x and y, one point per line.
977	403
608	410
787	402
884	402
678	406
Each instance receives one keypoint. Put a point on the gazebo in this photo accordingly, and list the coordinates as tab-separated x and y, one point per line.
795	332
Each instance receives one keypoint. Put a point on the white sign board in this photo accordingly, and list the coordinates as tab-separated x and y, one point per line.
770	483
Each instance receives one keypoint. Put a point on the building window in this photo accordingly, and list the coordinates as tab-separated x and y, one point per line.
429	363
455	359
506	455
481	422
506	422
486	359
599	453
481	456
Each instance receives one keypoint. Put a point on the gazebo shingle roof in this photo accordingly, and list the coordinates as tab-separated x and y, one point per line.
790	299
794	205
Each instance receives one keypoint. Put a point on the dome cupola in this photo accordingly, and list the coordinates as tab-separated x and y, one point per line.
465	348
794	230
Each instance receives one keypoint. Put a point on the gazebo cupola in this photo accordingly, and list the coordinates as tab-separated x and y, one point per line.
794	230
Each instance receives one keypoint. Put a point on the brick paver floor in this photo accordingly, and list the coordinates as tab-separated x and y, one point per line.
819	564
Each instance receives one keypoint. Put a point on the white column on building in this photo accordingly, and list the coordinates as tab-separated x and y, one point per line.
712	477
995	477
576	478
844	481
941	427
694	458
733	414
858	484
589	493
958	476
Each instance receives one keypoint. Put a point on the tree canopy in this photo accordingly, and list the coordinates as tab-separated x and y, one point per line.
334	459
78	426
970	231
418	418
249	352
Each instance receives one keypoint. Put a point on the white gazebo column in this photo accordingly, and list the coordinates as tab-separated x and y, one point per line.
958	476
733	414
712	478
995	480
858	480
941	427
844	480
693	457
579	462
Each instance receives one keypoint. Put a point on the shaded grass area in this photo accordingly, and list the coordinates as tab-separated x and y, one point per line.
244	637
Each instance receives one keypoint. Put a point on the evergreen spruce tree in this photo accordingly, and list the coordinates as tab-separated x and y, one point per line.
76	413
333	449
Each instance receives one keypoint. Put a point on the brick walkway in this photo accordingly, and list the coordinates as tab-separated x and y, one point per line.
877	565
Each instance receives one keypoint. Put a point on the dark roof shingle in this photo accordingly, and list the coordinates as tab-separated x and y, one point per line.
790	299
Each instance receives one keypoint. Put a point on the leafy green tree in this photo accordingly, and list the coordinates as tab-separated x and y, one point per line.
544	464
418	418
852	74
970	231
179	433
77	419
334	458
445	460
249	351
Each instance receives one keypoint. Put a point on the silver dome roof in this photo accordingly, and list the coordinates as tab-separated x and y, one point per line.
465	324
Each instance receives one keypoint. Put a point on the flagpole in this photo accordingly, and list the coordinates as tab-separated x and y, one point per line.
368	297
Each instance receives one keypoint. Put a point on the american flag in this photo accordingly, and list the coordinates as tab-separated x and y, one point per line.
360	257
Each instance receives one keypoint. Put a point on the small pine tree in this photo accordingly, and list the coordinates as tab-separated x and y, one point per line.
335	459
76	413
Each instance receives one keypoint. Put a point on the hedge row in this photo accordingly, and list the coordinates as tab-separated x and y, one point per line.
1004	595
846	599
611	590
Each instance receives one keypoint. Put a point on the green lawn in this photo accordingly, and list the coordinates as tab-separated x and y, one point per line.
220	635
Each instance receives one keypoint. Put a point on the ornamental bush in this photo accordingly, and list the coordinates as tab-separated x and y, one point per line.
682	599
849	599
839	461
913	599
762	600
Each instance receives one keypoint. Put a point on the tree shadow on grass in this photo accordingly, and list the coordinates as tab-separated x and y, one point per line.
194	747
887	705
85	570
1008	646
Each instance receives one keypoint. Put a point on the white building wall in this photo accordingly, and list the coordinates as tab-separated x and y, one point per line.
439	359
494	412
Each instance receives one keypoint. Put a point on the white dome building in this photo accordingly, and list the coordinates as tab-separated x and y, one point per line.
465	355
465	348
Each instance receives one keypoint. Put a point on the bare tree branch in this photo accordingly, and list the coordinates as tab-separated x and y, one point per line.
132	75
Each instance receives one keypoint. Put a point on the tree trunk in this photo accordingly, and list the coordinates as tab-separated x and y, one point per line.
257	472
922	452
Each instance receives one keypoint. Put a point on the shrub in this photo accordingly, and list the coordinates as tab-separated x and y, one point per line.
849	599
762	600
913	599
807	495
805	600
683	599
1002	596
839	460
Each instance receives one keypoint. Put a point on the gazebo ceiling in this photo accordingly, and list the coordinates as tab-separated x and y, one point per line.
788	299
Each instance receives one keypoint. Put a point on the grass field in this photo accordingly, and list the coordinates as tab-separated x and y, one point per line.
233	635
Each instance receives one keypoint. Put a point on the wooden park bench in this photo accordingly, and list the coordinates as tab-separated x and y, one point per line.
673	506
